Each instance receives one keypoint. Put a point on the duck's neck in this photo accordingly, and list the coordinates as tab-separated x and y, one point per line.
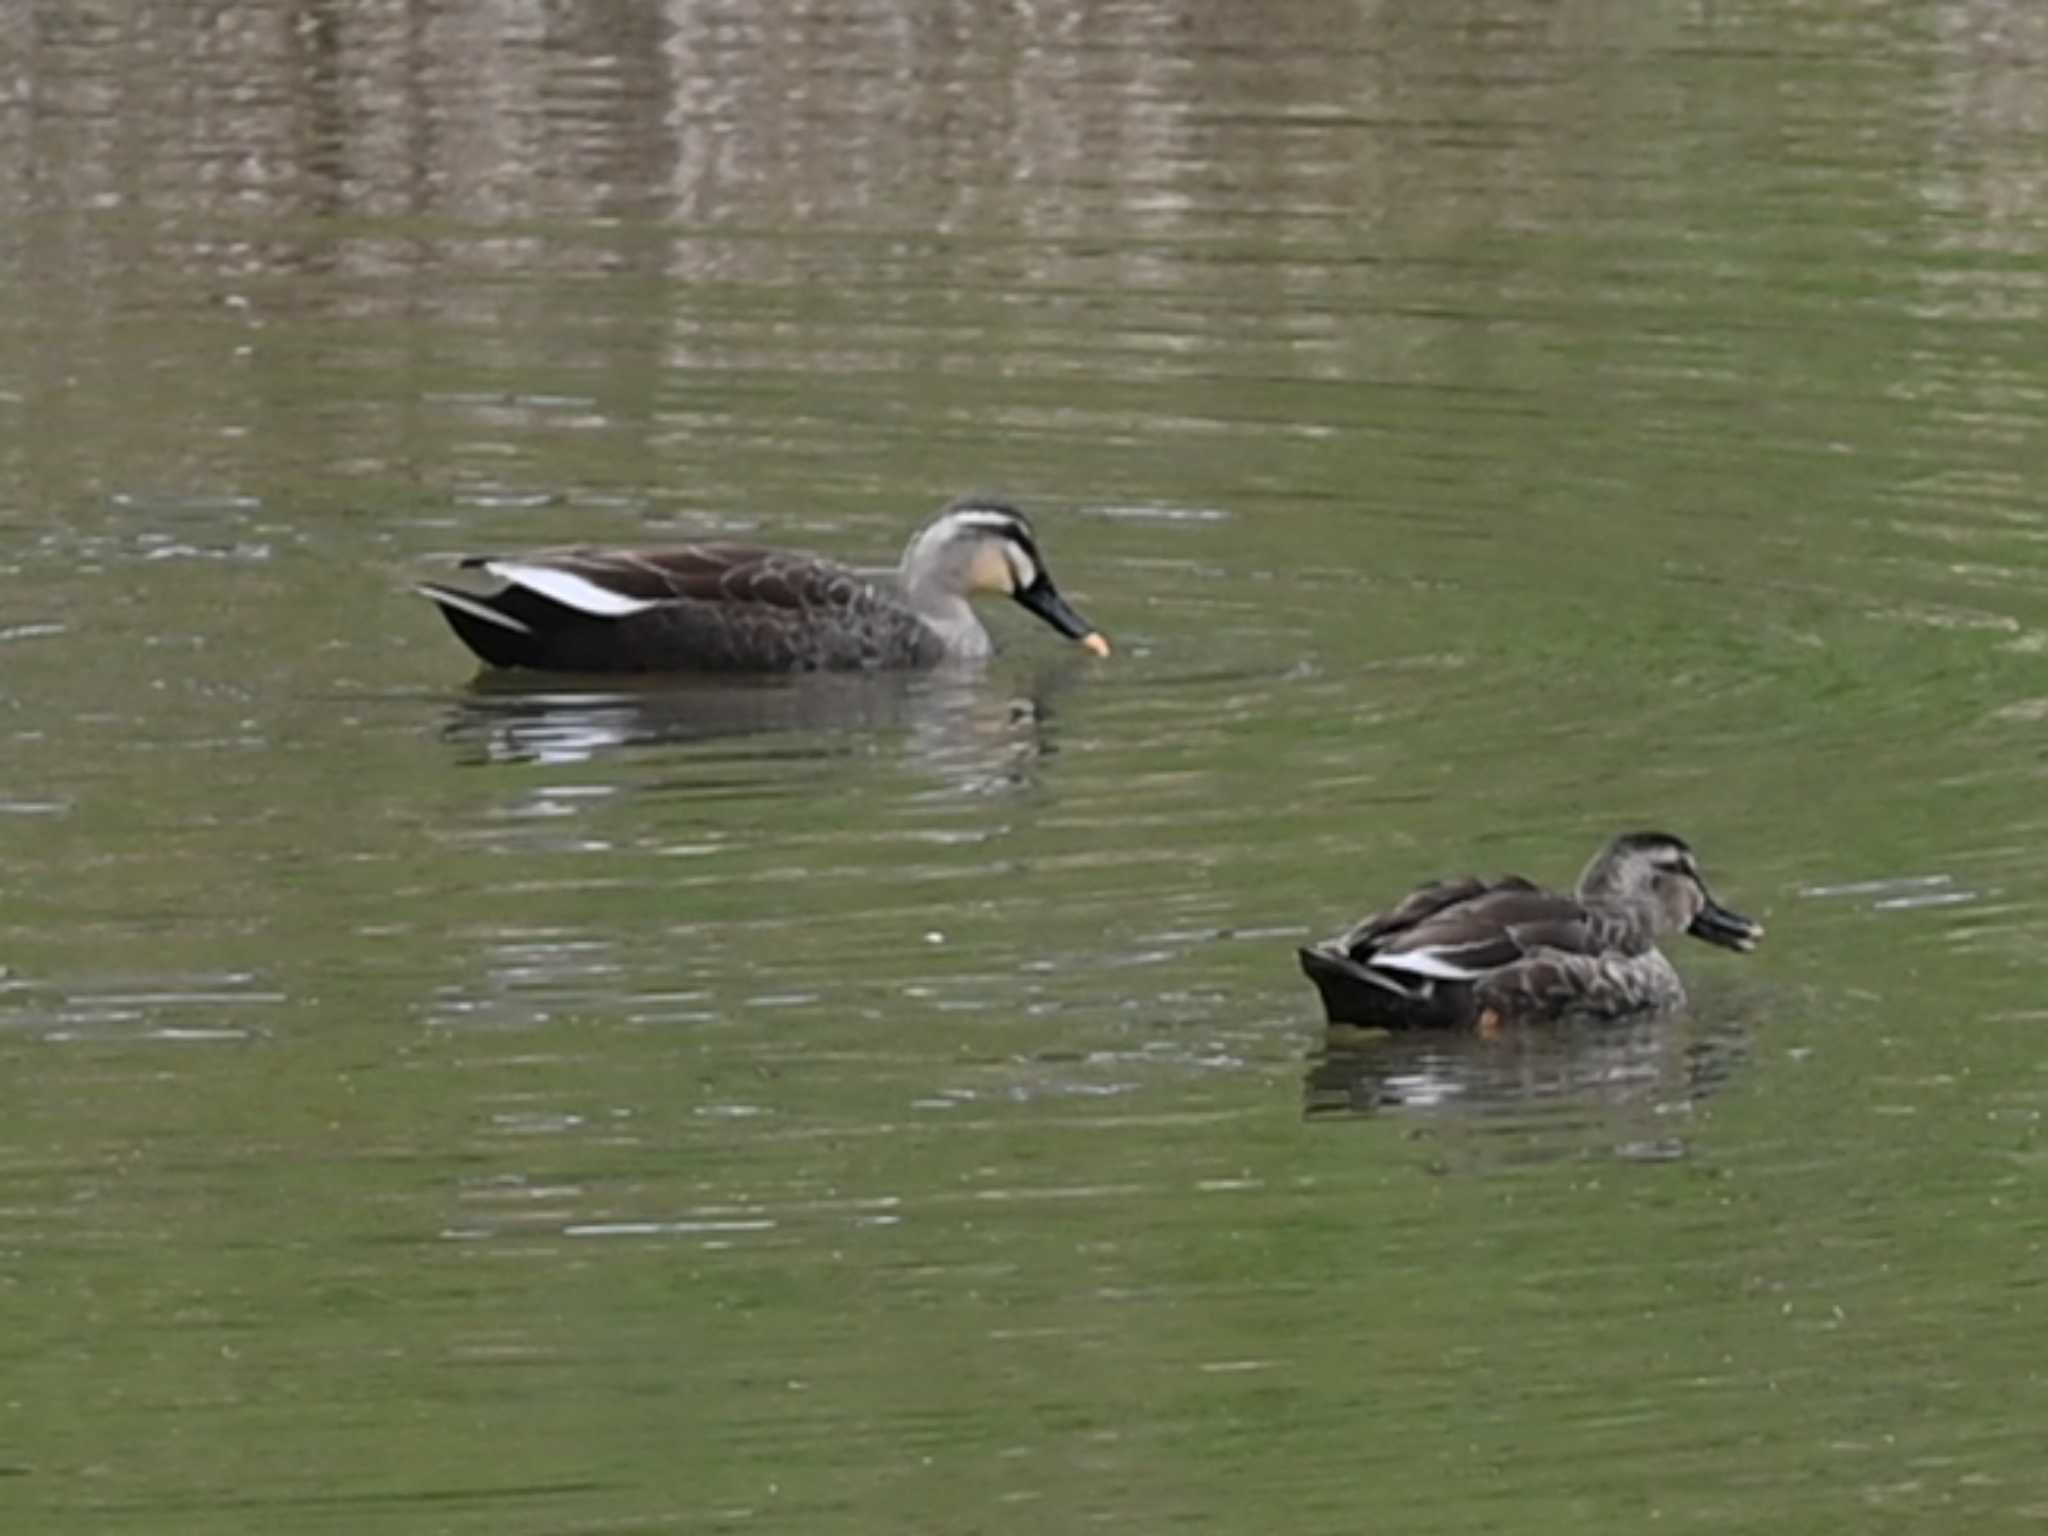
945	612
952	618
1624	926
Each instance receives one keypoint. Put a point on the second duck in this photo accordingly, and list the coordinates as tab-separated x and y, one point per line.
1469	952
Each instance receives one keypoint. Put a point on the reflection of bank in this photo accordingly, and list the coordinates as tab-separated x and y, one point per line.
1655	1064
977	732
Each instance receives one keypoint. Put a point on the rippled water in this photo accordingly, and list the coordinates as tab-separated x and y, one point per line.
451	1104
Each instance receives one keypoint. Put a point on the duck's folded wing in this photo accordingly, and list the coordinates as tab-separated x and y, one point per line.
1376	928
1505	924
614	583
1421	906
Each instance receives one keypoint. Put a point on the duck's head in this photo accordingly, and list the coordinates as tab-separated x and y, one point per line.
987	546
1657	873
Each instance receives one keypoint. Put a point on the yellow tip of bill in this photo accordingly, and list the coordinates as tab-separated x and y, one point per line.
1094	643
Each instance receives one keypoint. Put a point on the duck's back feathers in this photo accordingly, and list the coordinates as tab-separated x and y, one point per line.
714	607
1495	926
1434	909
609	582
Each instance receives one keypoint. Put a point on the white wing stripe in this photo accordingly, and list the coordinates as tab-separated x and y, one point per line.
1396	985
568	589
1427	962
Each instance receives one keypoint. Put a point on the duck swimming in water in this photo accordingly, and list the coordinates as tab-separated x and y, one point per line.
738	608
1470	953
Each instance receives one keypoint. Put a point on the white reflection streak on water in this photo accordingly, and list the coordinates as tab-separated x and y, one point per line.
1901	893
873	1211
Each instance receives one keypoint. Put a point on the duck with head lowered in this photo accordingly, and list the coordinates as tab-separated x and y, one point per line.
720	607
1467	953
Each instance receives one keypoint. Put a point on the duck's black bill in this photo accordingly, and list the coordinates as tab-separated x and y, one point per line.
1731	930
1044	599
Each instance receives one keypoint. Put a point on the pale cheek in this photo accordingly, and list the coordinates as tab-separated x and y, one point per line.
990	572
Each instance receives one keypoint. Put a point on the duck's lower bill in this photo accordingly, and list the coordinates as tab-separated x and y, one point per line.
1094	643
1731	930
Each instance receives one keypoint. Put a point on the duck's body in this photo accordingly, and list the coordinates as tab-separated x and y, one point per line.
1469	952
739	608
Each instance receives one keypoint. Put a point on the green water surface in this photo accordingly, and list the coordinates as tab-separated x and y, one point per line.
430	1105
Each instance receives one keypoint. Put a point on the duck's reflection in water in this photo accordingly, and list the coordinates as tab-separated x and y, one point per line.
975	732
1635	1080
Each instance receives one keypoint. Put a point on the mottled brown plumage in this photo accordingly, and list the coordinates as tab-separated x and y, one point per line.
1469	951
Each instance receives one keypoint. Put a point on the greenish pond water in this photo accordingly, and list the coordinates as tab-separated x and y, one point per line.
439	1105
